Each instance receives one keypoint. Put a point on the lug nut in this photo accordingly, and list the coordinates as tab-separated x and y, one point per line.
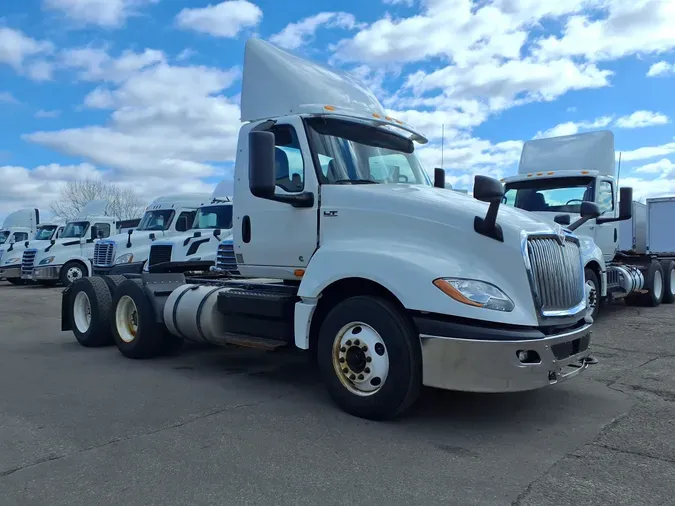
360	376
342	359
345	370
348	343
343	349
352	377
367	370
357	342
369	359
364	347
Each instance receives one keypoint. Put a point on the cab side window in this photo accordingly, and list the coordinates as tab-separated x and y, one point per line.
605	197
104	228
184	224
288	162
20	236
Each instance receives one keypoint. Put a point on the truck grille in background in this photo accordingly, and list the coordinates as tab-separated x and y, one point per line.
104	254
556	273
225	257
159	253
27	261
2	251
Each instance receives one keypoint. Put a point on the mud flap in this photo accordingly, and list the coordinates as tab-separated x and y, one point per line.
66	323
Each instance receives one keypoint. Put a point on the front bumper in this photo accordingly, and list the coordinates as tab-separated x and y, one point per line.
10	272
44	273
476	358
119	269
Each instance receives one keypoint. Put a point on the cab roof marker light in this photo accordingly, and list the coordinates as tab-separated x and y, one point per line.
329	107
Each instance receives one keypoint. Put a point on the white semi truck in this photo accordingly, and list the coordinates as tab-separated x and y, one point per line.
69	257
165	217
198	247
11	255
557	176
19	226
324	267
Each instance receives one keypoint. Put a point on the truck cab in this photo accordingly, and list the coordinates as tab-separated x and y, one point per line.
165	217
68	258
18	227
198	247
10	256
556	177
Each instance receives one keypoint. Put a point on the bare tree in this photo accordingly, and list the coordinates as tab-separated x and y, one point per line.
123	203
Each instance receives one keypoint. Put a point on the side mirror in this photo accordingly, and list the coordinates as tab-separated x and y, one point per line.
625	206
182	224
216	233
12	240
562	219
487	189
261	175
99	234
262	171
588	211
439	178
152	236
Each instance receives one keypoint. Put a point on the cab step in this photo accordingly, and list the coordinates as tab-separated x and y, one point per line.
247	341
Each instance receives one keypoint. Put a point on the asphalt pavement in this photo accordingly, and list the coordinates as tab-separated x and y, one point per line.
235	426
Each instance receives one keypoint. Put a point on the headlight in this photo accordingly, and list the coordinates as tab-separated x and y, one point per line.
475	293
124	259
46	261
13	261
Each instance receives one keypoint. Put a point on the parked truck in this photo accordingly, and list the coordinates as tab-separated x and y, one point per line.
19	226
559	175
198	247
478	297
69	257
11	255
165	217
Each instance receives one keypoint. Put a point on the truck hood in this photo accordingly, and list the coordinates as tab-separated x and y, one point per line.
435	204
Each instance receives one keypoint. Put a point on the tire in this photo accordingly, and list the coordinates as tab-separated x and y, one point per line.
134	326
594	299
113	282
382	326
71	272
668	267
94	293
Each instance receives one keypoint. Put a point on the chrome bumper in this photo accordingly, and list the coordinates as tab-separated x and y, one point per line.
493	365
48	272
11	272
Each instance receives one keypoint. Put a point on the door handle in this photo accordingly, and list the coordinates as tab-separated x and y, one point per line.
246	229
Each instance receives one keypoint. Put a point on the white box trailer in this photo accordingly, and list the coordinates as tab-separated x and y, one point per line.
661	227
633	232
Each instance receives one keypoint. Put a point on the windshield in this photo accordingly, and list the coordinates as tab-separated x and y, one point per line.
45	233
213	217
355	153
554	195
156	220
3	236
75	229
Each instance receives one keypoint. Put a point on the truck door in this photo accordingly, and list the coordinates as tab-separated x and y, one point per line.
275	234
606	235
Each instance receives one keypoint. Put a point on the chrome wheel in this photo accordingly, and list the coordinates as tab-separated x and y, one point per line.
591	296
126	319
82	312
74	273
360	358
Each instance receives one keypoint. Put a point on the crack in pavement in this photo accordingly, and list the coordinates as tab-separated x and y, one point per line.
625	350
144	434
661	394
632	452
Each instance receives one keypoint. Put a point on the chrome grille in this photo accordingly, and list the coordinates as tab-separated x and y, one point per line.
225	259
556	274
104	254
159	253
27	261
1	253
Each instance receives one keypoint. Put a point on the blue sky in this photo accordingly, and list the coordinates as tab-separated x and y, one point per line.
145	92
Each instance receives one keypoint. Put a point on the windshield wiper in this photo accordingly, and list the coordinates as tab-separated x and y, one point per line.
354	181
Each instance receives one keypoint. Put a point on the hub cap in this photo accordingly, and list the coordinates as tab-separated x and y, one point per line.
360	358
73	274
82	312
126	319
591	296
672	281
658	284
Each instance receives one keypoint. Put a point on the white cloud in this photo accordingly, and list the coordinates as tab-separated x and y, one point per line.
16	48
225	19
298	34
47	114
103	13
571	127
647	152
7	98
663	166
629	27
167	121
641	119
662	68
407	3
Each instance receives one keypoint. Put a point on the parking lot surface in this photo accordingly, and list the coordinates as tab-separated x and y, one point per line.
235	426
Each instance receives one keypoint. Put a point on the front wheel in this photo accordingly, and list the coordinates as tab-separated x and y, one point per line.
71	272
370	358
592	293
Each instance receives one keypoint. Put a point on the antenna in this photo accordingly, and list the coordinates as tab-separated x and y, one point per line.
618	171
442	143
